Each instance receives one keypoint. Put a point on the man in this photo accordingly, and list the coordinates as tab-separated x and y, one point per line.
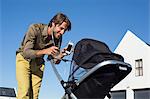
39	40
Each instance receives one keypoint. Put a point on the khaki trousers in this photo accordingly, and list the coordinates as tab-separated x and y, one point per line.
29	78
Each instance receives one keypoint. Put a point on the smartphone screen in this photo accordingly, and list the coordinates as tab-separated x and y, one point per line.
69	47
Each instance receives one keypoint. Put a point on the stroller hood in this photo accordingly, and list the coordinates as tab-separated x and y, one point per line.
89	52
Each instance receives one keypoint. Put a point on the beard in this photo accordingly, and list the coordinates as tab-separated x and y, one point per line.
57	35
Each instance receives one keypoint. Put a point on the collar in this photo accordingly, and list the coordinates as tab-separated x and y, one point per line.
44	32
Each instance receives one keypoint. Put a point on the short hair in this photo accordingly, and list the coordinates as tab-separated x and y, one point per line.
59	18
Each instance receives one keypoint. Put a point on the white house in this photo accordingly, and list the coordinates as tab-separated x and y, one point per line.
137	84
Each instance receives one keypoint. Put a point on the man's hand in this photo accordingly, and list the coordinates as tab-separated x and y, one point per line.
52	51
57	59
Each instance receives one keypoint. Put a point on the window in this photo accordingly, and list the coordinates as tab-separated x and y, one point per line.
7	92
118	94
142	94
139	67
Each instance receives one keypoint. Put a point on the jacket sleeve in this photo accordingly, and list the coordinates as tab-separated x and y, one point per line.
29	41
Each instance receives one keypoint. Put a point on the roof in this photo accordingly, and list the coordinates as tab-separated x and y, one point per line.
130	38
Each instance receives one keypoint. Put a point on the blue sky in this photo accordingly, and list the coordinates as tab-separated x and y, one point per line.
104	20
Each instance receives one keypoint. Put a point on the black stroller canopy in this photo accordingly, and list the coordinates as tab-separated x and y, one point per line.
89	52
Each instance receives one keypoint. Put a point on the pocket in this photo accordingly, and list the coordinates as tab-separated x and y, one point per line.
20	58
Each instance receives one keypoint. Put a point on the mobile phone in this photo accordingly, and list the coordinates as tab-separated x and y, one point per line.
69	48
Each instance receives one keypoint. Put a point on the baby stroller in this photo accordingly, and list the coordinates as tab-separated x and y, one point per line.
94	70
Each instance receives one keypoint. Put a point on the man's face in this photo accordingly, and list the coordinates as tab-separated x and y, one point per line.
59	30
